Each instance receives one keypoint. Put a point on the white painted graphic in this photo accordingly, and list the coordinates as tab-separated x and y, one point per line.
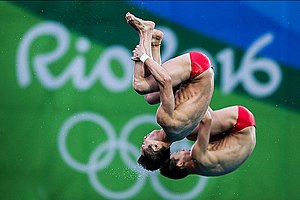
124	148
103	74
249	65
75	70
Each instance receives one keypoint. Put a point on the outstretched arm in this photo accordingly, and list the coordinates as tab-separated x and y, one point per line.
200	146
194	134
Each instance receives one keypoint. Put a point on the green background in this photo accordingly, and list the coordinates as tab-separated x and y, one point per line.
31	119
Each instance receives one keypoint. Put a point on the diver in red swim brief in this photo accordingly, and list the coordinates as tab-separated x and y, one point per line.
180	113
216	150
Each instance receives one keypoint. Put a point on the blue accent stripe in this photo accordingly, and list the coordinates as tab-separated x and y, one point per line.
239	23
285	13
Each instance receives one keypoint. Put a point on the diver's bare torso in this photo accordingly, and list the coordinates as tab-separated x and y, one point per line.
178	116
227	154
191	101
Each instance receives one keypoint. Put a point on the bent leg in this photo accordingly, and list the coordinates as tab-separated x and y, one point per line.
144	29
156	41
178	68
157	36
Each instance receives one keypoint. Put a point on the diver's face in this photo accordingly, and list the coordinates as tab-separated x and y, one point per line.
151	135
154	144
182	155
151	140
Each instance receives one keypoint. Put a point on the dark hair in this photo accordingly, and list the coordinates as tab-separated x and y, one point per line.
171	170
153	160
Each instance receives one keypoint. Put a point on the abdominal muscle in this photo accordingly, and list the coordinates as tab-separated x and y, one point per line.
229	153
191	102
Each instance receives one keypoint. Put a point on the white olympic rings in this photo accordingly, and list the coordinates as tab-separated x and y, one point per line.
111	146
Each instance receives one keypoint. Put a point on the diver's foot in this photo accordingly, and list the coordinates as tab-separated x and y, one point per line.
139	24
157	37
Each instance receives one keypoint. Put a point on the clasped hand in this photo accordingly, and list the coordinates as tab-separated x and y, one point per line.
137	53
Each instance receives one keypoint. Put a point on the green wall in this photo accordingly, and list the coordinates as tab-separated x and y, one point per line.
71	124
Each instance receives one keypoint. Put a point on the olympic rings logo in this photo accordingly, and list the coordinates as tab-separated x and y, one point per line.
94	165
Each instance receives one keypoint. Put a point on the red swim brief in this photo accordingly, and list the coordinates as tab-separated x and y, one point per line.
200	62
245	119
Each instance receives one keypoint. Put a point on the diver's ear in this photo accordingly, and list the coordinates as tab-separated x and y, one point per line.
179	164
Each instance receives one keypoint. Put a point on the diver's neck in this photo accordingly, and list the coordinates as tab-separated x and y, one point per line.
159	135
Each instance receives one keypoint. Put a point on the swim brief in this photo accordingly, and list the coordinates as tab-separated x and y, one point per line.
200	62
245	119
